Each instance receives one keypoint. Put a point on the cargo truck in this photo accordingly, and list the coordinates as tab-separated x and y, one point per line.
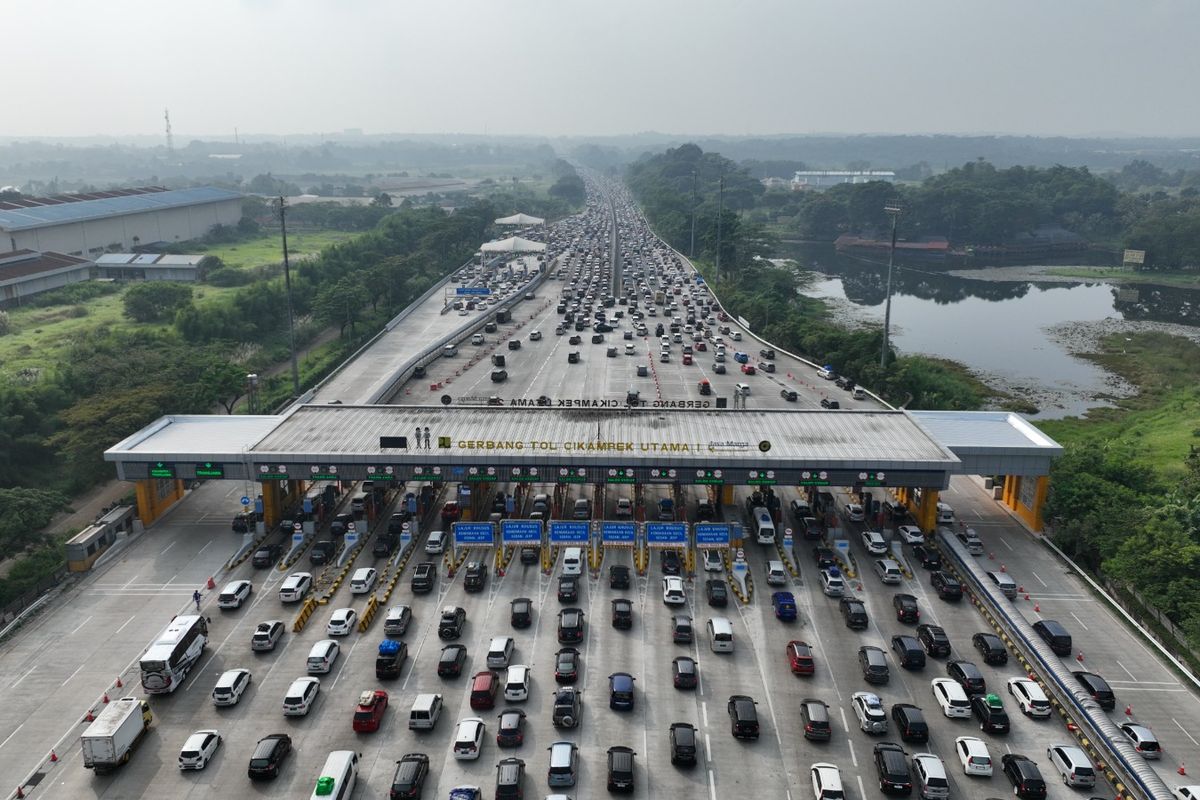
110	739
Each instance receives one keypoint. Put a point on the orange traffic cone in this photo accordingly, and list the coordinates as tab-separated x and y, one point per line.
1079	657
1021	589
106	698
90	716
211	583
119	684
1026	595
53	757
1129	711
20	792
1037	608
1003	568
1181	770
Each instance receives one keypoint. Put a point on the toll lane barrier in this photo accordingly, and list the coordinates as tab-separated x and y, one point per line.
306	611
241	557
787	561
368	614
689	561
595	557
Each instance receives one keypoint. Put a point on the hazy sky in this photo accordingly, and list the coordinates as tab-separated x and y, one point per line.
554	67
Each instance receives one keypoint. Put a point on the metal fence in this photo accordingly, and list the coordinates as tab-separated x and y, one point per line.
10	611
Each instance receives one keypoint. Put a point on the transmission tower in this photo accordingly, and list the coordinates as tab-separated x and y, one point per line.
170	141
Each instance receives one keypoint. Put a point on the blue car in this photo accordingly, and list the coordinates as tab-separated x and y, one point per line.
741	358
785	606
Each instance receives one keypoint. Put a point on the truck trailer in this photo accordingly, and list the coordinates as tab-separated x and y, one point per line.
110	739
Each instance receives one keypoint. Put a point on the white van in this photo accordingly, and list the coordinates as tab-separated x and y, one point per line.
776	574
363	580
720	635
337	777
945	513
572	561
499	652
436	542
742	388
295	586
764	526
426	710
359	503
322	656
450	350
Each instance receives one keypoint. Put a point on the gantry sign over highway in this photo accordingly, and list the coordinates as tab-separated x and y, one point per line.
742	447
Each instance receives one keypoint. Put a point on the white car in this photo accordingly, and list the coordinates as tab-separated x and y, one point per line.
1029	697
712	561
230	687
363	580
910	534
468	738
832	583
199	749
266	635
951	697
342	622
735	335
973	754
234	594
854	512
888	571
624	508
516	683
930	775
1187	792
1142	739
874	542
477	339
673	594
872	718
826	782
300	696
535	336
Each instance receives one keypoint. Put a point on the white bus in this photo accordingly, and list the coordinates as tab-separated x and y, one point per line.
173	653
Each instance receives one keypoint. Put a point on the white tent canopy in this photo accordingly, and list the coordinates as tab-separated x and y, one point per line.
520	219
513	244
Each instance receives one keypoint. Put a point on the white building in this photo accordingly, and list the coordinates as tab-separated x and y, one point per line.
148	267
821	178
24	273
121	219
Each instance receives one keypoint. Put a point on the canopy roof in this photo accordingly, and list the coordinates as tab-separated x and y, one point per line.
520	219
513	244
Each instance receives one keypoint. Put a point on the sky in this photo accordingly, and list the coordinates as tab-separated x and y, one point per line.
603	67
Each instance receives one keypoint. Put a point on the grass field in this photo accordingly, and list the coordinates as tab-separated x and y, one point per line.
268	249
1163	420
1189	280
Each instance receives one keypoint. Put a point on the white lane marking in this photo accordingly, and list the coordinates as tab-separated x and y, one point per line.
1085	627
85	622
704	713
165	549
845	725
11	735
1149	688
708	747
342	669
23	677
862	792
1185	733
168	583
1039	578
197	670
1004	542
853	757
1132	677
202	549
72	675
712	786
131	580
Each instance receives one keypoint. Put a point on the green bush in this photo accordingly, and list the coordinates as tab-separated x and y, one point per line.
229	276
74	294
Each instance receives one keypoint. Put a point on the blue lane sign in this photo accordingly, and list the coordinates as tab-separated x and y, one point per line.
569	532
245	500
617	532
469	533
520	531
672	533
472	290
710	534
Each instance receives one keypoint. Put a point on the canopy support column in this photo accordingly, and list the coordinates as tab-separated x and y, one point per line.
155	496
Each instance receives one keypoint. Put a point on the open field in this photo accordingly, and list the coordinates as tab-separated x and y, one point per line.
268	248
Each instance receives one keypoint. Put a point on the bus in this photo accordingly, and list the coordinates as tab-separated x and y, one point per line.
173	653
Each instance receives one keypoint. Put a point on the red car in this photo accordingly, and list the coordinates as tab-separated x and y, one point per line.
368	715
748	369
800	657
451	512
701	347
687	359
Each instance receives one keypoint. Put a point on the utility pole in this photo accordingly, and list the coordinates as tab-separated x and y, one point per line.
692	249
893	210
170	140
720	209
287	282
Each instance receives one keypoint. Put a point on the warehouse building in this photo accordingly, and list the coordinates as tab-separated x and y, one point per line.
149	267
25	273
119	219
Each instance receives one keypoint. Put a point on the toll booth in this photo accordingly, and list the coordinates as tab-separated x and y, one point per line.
90	543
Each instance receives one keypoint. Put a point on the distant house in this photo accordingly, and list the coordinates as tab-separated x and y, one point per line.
148	267
24	273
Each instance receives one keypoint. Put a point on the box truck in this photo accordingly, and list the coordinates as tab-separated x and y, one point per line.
110	739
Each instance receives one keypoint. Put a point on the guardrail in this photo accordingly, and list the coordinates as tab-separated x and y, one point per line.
1127	770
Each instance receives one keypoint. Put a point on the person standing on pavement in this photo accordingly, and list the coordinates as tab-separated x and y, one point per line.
196	599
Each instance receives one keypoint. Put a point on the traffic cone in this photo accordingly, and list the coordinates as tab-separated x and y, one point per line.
211	583
119	684
1032	677
1181	770
106	698
1079	657
1129	711
991	556
90	716
21	792
1003	568
53	757
1037	608
1021	589
1026	595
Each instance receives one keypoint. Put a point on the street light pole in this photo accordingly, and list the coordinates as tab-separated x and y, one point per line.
720	209
287	282
692	249
893	210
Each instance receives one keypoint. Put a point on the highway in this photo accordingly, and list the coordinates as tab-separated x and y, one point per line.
59	666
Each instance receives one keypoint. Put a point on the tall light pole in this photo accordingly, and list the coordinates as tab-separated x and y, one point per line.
287	282
720	209
692	249
893	210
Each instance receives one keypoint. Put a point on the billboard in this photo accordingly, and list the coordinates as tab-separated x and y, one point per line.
569	531
521	531
469	534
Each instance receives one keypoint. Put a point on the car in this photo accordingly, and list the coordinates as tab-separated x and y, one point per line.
1142	739
622	613
568	588
743	716
450	625
974	756
831	582
266	555
685	674
1024	775
199	749
928	557
450	512
1030	697
931	776
500	652
530	554
947	586
451	661
951	697
672	591
484	685
570	625
398	619
910	534
874	542
620	767
620	691
1098	688
341	622
670	562
826	782
788	394
468	738
230	687
854	512
712	561
989	710
873	663
424	577
682	739
748	369
827	403
408	781
474	576
436	543
624	508
566	665
521	612
300	696
270	752
908	651
718	368
800	658
784	604
934	639
869	710
1075	767
910	722
535	336
967	675
370	710
233	595
892	768
511	729
717	593
991	648
568	705
888	571
906	608
266	635
854	612
516	683
814	714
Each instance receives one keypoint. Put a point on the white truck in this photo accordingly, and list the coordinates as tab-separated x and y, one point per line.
110	739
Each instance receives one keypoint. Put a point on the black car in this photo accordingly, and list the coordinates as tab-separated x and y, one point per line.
568	588
682	738
396	522
892	767
511	731
827	403
684	672
991	647
1098	688
788	394
267	555
570	626
622	613
910	722
705	511
934	639
743	716
566	665
990	713
321	552
452	621
1024	775
854	612
947	586
384	543
268	754
670	562
620	769
873	662
618	576
522	612
824	557
815	716
529	555
718	593
906	608
424	575
908	651
409	778
451	661
476	576
968	676
927	557
510	779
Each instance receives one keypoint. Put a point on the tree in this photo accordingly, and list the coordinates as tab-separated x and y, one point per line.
342	302
23	513
382	200
155	301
